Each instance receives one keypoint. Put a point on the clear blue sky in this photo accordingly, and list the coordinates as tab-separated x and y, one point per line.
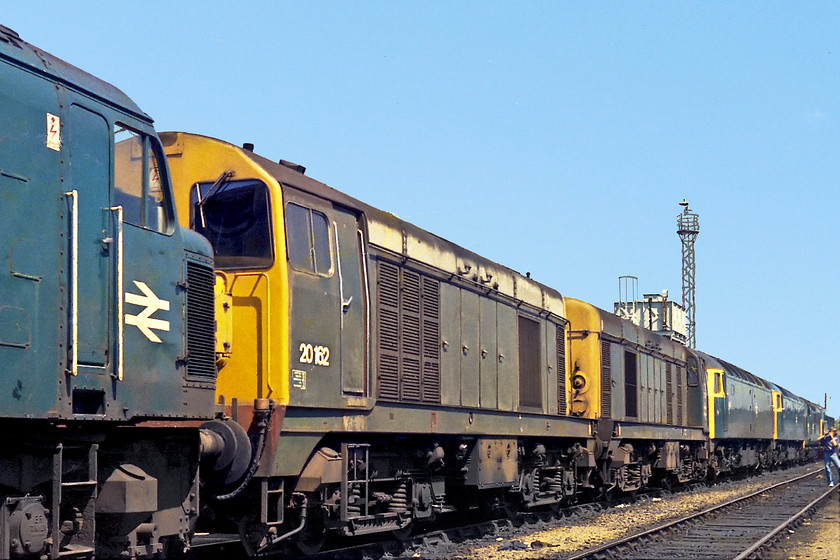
553	137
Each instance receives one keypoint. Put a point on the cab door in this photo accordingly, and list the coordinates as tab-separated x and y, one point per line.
92	248
716	386
328	333
778	420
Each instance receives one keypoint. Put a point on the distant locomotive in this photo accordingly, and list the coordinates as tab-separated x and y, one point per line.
106	323
387	376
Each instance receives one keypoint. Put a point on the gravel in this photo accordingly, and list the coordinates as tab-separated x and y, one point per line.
560	538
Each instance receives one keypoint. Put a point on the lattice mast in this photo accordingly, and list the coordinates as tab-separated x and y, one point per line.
688	226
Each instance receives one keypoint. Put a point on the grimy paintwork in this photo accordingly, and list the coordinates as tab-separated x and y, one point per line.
407	377
371	375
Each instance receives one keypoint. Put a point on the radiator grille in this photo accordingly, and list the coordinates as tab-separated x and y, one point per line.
561	370
669	393
431	340
201	344
606	380
408	315
679	396
388	302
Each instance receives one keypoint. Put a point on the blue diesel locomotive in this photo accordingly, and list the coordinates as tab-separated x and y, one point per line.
107	362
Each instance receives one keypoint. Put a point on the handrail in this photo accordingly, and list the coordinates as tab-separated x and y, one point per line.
74	281
120	289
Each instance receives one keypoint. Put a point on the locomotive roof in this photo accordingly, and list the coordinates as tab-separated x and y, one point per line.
15	50
414	243
623	329
744	374
756	380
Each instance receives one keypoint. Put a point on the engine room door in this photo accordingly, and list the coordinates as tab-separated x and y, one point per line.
328	324
92	250
349	239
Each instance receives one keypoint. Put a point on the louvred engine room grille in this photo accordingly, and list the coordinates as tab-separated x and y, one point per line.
680	419
606	380
561	370
669	392
408	341
201	344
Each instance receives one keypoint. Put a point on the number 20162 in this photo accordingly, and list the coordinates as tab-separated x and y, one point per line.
318	355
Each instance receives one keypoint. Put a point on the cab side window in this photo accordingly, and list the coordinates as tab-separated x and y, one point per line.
719	383
138	186
308	240
693	372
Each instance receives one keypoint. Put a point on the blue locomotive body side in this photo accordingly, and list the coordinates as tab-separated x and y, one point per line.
106	322
92	304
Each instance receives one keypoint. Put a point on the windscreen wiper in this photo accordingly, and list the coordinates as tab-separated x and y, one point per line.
216	187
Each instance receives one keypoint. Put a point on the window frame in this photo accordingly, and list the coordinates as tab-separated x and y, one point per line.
269	260
149	146
314	243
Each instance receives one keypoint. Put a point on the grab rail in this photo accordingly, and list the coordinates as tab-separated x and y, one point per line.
74	281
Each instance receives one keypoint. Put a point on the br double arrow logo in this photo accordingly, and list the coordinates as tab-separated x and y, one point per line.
143	320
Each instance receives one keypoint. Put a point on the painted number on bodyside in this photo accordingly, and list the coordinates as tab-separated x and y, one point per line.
318	355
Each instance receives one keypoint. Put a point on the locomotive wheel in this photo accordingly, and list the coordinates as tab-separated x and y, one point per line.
513	513
312	539
608	493
403	532
251	534
310	542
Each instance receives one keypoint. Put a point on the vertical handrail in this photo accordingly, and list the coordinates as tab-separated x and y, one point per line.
74	281
364	257
120	294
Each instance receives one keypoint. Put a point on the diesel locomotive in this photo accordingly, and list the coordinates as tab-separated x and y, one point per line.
107	357
387	376
290	363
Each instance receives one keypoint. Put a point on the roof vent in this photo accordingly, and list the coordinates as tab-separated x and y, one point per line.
293	166
248	146
8	35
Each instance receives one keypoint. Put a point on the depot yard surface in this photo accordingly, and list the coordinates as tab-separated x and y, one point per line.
817	538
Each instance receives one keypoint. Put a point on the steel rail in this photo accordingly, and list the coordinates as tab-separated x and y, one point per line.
683	520
772	534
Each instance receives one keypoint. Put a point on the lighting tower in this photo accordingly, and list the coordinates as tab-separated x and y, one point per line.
688	226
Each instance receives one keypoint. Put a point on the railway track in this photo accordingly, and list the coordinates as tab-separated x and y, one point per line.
448	541
738	529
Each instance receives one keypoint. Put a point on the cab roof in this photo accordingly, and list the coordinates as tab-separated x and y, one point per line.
16	51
